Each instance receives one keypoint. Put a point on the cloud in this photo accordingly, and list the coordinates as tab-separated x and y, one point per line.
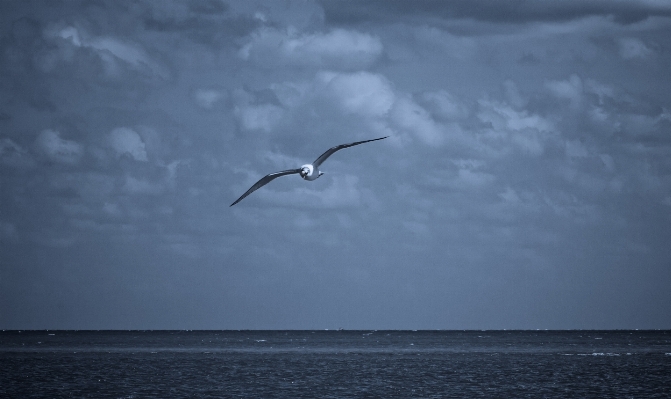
131	54
522	129
262	117
631	48
302	15
444	105
206	98
571	89
71	34
360	93
57	149
126	141
408	116
459	47
469	177
13	155
329	95
337	49
112	51
362	98
133	185
623	11
509	196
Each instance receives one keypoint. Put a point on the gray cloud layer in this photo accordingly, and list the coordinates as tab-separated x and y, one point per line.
526	182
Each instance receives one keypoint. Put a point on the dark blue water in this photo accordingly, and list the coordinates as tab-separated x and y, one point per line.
335	364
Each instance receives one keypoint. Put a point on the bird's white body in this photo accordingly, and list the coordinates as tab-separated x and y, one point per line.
309	172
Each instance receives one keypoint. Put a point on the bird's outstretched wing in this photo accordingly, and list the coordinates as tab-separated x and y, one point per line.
265	180
331	150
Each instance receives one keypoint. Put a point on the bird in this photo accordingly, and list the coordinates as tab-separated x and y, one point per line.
309	171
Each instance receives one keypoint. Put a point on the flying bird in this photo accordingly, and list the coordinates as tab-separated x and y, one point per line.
309	171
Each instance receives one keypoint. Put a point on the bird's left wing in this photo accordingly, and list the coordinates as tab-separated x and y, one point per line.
265	180
331	150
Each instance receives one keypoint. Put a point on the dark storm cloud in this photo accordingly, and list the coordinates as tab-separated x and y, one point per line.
206	22
516	11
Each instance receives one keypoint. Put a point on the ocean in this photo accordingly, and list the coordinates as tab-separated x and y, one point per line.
335	364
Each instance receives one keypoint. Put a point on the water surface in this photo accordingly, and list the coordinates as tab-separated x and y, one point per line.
335	364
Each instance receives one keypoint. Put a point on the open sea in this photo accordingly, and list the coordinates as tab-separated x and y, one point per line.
335	364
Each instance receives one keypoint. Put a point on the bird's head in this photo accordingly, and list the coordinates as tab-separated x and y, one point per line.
306	170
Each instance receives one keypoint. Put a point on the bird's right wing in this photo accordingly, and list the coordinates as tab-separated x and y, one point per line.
265	180
331	150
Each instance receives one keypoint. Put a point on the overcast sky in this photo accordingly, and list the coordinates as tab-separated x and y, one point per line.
526	182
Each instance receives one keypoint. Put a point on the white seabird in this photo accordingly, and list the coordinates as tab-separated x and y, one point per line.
309	171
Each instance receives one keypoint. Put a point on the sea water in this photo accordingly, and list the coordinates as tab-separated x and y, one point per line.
335	364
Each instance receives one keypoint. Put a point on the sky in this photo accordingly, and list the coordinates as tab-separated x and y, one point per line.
525	183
